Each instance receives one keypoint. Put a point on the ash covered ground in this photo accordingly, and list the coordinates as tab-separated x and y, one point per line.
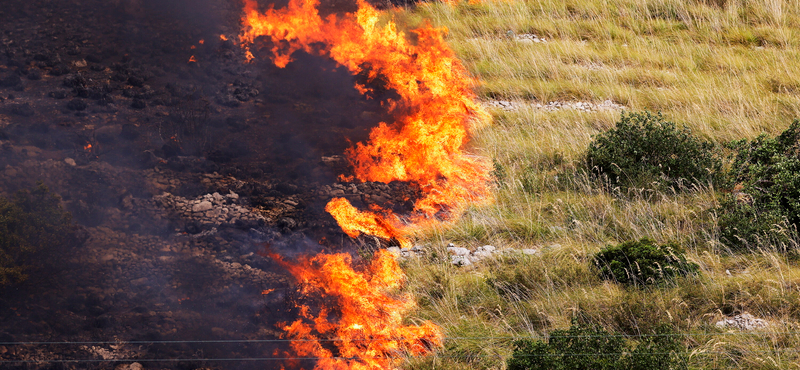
177	174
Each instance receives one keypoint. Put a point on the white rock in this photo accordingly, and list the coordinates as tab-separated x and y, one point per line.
744	321
486	248
529	251
394	250
460	261
70	161
202	206
483	252
458	251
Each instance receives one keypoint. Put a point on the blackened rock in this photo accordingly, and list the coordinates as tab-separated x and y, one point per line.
93	58
59	70
135	81
105	100
171	149
35	74
287	223
11	80
138	104
75	80
24	110
41	57
228	100
39	127
285	188
58	94
77	104
129	132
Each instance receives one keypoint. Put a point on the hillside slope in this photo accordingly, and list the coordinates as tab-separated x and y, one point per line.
555	74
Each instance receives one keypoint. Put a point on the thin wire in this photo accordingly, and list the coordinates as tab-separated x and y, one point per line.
375	358
398	339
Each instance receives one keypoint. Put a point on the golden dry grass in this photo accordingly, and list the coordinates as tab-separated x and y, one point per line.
727	69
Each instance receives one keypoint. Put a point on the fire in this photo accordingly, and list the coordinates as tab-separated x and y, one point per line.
87	147
358	325
201	42
425	144
354	222
363	327
223	38
192	59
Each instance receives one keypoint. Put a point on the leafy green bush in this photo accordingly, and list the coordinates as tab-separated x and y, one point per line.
765	183
592	347
644	149
32	228
643	262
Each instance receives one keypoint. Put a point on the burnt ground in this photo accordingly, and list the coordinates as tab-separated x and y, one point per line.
177	173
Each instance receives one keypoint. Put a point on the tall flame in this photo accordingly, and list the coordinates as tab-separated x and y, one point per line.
364	328
425	144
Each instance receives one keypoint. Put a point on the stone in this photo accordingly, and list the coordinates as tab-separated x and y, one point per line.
394	250
460	261
132	366
70	162
233	195
458	251
744	321
484	251
202	206
529	251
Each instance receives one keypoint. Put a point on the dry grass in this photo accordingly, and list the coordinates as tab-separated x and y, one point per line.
727	69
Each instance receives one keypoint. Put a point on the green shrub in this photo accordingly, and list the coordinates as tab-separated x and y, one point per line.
644	149
643	262
592	347
33	228
764	180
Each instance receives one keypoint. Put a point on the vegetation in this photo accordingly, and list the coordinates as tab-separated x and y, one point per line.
644	149
33	227
723	69
765	178
643	262
592	347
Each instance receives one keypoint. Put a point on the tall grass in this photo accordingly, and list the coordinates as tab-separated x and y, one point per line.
727	69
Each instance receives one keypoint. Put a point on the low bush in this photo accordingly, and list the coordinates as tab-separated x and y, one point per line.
643	262
592	347
33	228
644	149
763	204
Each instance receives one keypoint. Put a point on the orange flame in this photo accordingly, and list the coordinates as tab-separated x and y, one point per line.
192	59
87	147
354	222
223	38
201	42
425	144
365	326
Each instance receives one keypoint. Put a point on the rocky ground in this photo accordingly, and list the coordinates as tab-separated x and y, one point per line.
180	164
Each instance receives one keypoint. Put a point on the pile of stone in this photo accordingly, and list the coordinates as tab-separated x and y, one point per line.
210	209
744	321
460	256
529	38
381	194
508	105
415	251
